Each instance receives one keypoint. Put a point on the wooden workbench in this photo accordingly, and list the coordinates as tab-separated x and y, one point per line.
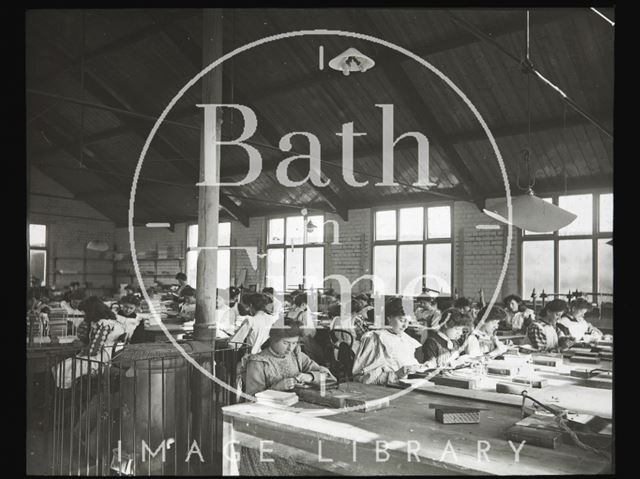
406	425
589	396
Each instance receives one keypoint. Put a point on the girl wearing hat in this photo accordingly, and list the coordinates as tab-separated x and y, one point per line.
387	355
573	323
442	348
543	333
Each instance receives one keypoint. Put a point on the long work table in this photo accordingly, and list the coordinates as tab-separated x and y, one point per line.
405	438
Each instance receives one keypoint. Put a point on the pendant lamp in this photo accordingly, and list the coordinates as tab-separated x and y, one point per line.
530	212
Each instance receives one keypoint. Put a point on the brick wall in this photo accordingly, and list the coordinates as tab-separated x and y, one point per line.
479	254
71	224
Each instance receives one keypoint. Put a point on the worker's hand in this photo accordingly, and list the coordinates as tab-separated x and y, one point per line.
285	384
404	370
304	378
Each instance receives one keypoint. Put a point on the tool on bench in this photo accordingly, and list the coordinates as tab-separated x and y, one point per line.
550	425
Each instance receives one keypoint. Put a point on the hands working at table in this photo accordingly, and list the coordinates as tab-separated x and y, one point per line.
287	384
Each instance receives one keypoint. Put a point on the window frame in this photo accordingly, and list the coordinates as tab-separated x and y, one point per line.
556	237
284	246
188	249
45	248
424	241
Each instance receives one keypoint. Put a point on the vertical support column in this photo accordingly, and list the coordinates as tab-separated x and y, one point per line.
209	197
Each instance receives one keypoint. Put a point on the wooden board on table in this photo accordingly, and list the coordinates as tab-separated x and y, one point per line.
296	433
345	395
568	395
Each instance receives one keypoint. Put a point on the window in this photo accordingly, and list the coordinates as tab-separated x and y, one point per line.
295	252
224	255
38	252
412	250
576	257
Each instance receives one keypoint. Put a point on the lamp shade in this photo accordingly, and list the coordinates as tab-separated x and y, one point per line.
532	214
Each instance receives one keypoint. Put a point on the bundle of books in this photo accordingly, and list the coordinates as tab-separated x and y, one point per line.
272	397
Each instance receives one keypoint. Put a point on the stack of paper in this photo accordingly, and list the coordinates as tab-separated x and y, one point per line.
277	398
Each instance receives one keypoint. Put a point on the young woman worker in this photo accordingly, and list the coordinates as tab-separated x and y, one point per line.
543	333
442	348
483	340
387	355
572	323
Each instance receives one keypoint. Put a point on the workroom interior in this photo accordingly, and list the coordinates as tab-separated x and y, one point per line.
352	241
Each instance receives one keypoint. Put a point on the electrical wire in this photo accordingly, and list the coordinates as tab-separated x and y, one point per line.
83	43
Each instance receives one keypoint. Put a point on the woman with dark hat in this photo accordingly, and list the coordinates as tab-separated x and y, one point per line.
387	355
543	333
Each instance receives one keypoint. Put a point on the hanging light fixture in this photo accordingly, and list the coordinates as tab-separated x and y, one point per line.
97	245
351	60
311	227
530	212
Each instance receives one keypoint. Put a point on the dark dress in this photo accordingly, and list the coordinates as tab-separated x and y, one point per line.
138	335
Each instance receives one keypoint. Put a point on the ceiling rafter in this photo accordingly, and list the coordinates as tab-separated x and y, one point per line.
396	75
174	33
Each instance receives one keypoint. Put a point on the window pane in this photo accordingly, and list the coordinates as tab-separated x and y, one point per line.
317	234
438	268
294	267
314	267
192	267
410	268
537	267
275	269
38	236
192	236
532	233
294	230
605	267
224	234
439	222
384	267
38	265
581	205
606	212
276	231
576	267
224	268
385	225
411	224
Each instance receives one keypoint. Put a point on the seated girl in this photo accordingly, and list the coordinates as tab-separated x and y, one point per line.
100	331
574	324
543	333
387	355
187	309
281	365
482	340
518	316
254	330
127	310
442	348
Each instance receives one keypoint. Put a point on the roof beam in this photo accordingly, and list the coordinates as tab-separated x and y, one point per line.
117	44
120	188
427	120
526	63
268	131
456	40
